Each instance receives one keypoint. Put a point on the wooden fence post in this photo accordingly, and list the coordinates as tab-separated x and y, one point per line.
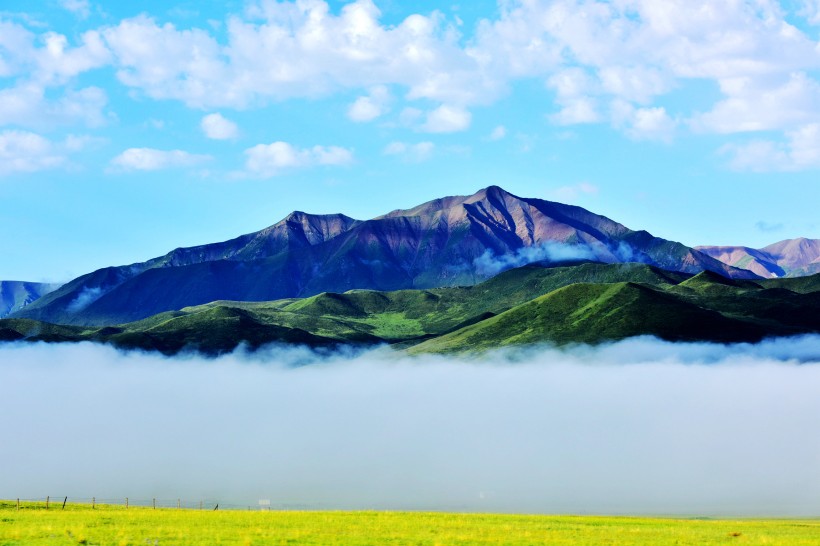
126	503
64	501
155	504
47	498
18	505
93	502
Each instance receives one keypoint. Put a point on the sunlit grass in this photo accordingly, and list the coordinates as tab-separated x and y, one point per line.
80	524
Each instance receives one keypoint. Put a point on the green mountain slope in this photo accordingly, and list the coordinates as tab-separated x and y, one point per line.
583	303
592	313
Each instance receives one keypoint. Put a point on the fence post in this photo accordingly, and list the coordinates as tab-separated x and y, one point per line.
155	504
178	504
93	502
126	503
18	505
216	507
64	501
47	498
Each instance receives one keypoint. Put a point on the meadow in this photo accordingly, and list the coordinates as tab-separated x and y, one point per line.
106	524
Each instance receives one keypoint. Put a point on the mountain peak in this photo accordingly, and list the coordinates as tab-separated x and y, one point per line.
490	193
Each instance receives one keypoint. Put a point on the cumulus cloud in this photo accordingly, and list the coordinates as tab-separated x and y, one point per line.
811	11
643	123
636	427
290	49
27	152
371	106
217	127
27	105
81	8
574	89
755	104
801	151
266	160
447	119
420	151
592	54
151	159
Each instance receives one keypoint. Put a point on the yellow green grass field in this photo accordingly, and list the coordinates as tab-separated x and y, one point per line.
80	524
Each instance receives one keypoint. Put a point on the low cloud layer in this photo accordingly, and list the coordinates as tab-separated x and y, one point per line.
553	252
640	426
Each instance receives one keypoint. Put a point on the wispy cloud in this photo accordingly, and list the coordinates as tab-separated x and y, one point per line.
267	160
151	159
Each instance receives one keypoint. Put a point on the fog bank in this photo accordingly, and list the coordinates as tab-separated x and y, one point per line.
640	426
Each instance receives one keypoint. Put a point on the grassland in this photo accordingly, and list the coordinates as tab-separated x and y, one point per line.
79	524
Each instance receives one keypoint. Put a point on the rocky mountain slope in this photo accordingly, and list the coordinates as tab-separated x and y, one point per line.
788	258
16	295
460	240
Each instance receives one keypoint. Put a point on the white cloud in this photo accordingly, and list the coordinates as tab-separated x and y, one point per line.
27	105
418	152
590	53
217	127
447	119
81	8
800	152
575	111
56	63
574	89
150	159
643	123
370	107
26	152
283	50
498	133
811	11
266	160
755	105
638	84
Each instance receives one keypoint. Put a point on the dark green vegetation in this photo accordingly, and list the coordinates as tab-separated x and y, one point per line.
583	303
79	524
452	241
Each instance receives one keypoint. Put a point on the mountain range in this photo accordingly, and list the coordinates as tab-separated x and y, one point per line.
789	258
536	303
452	241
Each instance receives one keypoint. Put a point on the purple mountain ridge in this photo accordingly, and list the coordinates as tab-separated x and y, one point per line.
788	258
459	240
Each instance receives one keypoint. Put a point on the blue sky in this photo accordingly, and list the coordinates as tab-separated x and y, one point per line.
128	131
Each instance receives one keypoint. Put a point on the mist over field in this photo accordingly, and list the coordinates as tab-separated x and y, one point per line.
639	426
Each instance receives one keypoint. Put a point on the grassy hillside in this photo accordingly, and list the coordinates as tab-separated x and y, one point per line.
585	303
79	524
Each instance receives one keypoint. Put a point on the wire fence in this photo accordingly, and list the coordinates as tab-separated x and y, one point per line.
63	502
